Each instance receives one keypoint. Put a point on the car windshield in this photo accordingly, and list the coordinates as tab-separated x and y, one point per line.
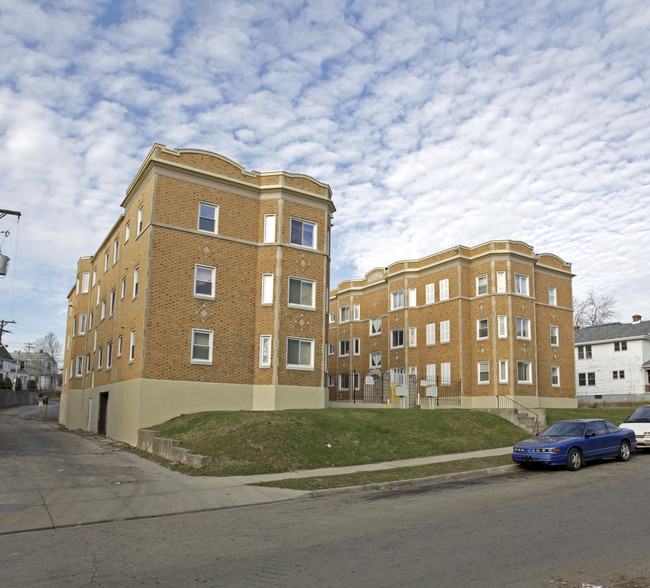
640	415
564	429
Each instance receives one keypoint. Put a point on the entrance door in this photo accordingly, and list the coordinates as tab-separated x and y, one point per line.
103	408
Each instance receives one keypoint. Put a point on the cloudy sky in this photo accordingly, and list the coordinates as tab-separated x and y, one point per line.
435	122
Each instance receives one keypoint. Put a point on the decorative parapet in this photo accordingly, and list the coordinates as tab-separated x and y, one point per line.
149	441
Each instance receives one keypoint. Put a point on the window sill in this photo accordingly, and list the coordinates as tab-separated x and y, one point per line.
200	362
304	368
300	307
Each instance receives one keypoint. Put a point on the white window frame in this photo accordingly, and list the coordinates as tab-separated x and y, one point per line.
445	331
79	368
344	382
393	334
95	340
82	324
127	232
113	299
555	334
120	345
503	371
482	285
205	207
205	274
269	228
107	260
376	355
356	312
344	347
100	357
265	350
443	289
482	321
523	328
331	316
344	314
413	297
430	334
483	368
522	284
300	225
132	346
300	283
116	250
136	280
413	336
330	348
373	322
99	295
445	373
301	342
123	291
552	295
85	282
529	372
555	376
267	289
94	280
502	284
140	220
88	363
102	312
356	346
502	326
194	347
397	299
430	293
109	355
431	374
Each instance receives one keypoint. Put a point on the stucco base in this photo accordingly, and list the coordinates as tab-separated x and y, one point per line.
139	404
526	401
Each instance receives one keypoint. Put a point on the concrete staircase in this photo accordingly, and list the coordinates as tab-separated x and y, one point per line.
522	418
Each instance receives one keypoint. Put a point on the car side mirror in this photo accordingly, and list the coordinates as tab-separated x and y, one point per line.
590	434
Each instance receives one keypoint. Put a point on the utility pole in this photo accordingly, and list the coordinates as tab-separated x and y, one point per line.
2	328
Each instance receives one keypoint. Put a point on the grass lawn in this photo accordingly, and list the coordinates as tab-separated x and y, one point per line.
614	415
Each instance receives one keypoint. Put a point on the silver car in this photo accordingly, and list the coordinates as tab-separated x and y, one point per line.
639	422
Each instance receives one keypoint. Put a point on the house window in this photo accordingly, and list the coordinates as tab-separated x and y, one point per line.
100	358
523	328
445	332
300	353
127	232
501	282
552	295
482	330
357	346
344	347
524	372
375	326
302	292
132	346
265	351
107	260
139	223
123	291
120	345
397	338
269	228
95	340
330	349
521	284
430	293
620	346
618	374
444	289
503	371
331	317
88	363
74	326
375	359
201	346
413	336
82	324
356	312
344	314
85	282
303	233
344	382
584	352
582	379
397	299
555	375
267	288
112	304
116	250
555	337
481	285
483	372
94	277
99	289
431	334
91	320
330	381
591	378
204	281
357	380
136	278
102	313
109	356
208	218
502	326
431	374
413	297
80	366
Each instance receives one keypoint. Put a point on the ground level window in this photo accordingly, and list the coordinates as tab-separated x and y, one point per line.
300	352
201	346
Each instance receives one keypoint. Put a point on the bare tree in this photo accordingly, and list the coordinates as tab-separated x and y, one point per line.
593	310
50	345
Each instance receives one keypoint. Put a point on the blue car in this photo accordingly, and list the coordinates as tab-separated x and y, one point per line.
575	442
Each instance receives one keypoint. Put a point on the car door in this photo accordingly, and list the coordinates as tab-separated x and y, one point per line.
598	440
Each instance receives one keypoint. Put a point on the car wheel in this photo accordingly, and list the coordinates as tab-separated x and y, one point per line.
624	451
574	460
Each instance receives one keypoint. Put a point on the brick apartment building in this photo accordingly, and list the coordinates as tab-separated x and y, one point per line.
209	293
468	324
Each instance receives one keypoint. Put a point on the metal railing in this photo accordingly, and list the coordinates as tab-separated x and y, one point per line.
508	403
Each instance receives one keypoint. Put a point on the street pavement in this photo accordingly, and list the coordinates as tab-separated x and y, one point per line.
52	478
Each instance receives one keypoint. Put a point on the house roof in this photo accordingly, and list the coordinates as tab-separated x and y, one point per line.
613	332
4	354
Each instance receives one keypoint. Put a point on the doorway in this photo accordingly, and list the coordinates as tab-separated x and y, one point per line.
103	408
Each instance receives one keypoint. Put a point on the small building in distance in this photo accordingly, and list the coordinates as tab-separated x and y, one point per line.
464	327
209	293
613	362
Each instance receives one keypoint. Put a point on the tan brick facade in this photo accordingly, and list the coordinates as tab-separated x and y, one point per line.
187	337
495	319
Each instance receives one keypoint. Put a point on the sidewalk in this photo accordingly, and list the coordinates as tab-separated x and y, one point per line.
53	478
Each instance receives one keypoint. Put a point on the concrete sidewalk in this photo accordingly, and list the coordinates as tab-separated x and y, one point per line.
52	478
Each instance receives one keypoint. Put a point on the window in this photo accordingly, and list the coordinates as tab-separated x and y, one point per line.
91	319
265	351
82	324
591	378
136	278
431	334
397	338
431	374
132	346
501	282
139	223
555	337
483	372
375	326
481	285
109	356
201	346
356	312
269	228
445	374
112	304
208	217
555	375
94	277
344	347
344	381
357	380
444	289
582	379
300	353
430	293
85	282
413	297
267	288
80	366
413	336
344	314
302	292
102	313
95	340
584	352
444	332
523	328
330	349
100	358
303	233
357	346
99	289
524	372
375	359
331	317
88	363
330	381
502	326
107	259
521	284
397	299
127	232
618	374
116	250
503	371
620	346
204	281
482	330
123	291
74	326
120	344
552	295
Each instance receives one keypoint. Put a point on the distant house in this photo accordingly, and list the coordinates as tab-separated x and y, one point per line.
613	362
38	366
7	364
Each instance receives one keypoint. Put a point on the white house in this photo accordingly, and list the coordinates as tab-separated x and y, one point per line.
613	362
